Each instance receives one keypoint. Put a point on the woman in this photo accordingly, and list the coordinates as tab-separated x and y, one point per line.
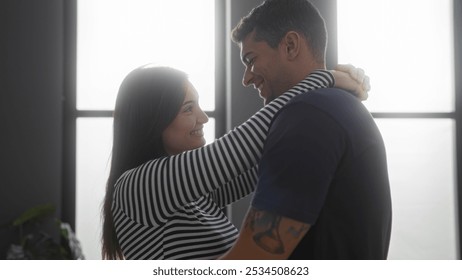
165	191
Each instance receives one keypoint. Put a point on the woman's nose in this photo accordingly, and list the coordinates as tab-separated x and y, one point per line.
202	118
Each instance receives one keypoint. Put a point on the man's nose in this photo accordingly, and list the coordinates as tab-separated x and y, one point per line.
247	78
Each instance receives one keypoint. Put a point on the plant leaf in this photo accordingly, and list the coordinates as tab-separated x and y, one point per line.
34	213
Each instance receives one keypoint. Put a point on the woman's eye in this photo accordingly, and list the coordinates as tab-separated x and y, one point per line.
188	109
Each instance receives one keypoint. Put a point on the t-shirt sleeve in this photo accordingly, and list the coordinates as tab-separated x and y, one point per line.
301	154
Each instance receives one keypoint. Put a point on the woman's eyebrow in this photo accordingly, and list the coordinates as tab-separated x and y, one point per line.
187	102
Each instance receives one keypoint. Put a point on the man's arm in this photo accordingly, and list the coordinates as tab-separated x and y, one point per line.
265	235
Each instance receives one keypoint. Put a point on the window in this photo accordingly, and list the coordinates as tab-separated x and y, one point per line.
407	48
113	38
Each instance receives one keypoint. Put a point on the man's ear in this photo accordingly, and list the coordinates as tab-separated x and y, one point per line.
291	44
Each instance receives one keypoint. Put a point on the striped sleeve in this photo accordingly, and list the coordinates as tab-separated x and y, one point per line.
152	192
238	188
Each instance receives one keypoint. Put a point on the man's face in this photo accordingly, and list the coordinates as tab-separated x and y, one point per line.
264	68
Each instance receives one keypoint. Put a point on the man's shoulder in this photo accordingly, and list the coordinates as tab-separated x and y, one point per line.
335	102
324	97
324	100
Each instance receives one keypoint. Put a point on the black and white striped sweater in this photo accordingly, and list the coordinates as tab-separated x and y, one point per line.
170	208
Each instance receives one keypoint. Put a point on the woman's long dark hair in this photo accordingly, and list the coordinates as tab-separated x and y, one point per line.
148	100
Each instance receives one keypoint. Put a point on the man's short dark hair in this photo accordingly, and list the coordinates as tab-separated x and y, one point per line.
272	19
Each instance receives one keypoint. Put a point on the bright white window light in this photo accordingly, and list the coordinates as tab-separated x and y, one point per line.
116	36
406	47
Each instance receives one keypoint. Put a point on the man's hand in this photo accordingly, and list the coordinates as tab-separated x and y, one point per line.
352	79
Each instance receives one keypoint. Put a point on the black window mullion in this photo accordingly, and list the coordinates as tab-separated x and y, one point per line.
69	113
411	115
220	68
458	114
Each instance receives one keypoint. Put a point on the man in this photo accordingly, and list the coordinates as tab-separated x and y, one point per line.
323	189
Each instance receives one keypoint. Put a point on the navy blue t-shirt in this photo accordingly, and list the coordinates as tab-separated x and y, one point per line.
324	164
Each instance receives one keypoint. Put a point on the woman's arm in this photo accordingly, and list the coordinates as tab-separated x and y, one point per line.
238	188
153	191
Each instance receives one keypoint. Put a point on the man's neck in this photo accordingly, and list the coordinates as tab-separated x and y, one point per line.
306	69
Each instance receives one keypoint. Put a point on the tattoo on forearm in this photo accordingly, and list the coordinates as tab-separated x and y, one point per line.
266	231
266	228
298	232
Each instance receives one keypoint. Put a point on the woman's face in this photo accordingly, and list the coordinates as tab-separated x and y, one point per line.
185	132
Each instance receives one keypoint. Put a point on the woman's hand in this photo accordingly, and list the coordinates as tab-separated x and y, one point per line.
352	79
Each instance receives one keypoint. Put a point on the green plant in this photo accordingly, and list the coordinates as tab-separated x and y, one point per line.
36	244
